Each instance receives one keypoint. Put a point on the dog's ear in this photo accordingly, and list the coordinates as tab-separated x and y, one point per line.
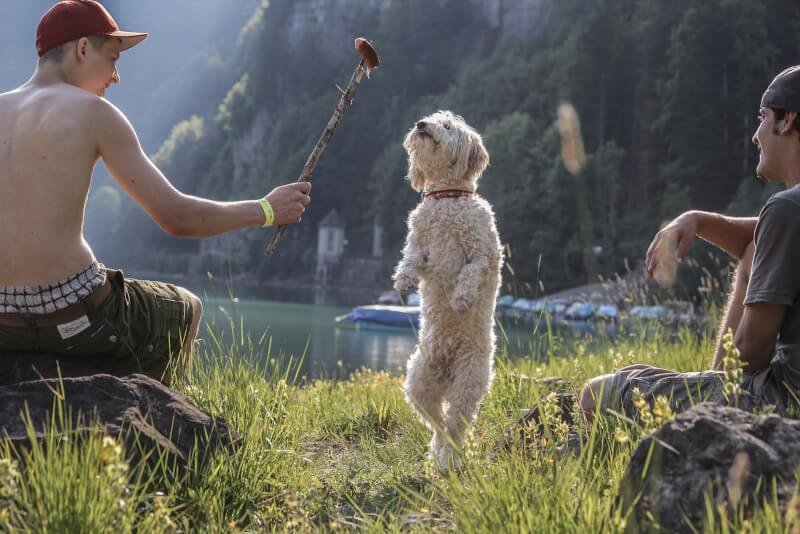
478	158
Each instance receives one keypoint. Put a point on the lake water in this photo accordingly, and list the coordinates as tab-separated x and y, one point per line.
330	349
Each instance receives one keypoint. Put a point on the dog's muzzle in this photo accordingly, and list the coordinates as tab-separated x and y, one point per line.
422	129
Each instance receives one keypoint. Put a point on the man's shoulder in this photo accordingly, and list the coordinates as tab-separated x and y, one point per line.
787	197
96	107
61	97
781	210
97	114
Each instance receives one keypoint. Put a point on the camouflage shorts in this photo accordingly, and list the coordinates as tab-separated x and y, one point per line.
140	327
686	389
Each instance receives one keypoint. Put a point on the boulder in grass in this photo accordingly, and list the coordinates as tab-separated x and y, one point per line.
16	367
709	452
149	415
528	428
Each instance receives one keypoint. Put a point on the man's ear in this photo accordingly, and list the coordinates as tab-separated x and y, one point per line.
81	47
787	123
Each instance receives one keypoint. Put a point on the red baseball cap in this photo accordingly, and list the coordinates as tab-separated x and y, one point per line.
72	19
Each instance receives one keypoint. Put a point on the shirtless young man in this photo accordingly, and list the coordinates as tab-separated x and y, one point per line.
763	310
55	297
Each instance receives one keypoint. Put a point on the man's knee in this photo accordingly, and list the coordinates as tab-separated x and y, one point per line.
198	309
587	400
197	306
191	330
592	392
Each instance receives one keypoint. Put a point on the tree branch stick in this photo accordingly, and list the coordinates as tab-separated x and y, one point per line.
333	123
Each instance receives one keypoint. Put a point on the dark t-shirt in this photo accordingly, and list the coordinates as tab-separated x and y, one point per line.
776	273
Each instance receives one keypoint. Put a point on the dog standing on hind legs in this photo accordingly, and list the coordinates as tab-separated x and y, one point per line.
453	254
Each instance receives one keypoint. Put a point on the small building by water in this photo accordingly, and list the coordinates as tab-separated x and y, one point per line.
330	247
337	269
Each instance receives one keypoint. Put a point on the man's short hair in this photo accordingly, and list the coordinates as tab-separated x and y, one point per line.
57	54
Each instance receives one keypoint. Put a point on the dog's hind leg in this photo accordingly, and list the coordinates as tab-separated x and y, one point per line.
425	394
470	383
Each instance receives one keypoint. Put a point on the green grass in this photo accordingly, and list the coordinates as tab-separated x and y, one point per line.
349	455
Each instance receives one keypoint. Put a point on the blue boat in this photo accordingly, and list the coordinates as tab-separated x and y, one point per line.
379	316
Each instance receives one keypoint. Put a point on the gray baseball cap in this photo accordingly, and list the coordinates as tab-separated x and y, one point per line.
784	91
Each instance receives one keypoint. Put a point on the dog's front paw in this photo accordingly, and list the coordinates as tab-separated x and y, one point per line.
459	303
403	282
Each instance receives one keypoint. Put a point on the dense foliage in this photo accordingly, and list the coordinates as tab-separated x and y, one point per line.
667	94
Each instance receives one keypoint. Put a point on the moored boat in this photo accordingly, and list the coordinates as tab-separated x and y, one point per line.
380	316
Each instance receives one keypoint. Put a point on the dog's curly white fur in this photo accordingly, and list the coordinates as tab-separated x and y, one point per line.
453	253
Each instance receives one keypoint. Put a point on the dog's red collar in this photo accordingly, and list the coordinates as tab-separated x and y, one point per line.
448	193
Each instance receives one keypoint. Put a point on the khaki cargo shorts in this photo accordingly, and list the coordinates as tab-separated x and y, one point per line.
761	390
140	327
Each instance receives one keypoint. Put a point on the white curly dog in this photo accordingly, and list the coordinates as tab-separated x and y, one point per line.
453	253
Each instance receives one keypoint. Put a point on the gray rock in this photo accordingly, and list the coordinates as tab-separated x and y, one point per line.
24	367
140	409
528	427
709	450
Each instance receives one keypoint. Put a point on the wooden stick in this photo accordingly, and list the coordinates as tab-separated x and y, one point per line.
364	66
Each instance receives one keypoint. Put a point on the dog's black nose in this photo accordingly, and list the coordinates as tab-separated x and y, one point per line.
421	125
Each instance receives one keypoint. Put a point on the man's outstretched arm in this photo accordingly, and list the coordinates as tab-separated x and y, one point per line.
731	234
177	213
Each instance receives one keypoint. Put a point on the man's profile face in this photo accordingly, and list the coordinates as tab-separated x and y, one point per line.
100	66
768	140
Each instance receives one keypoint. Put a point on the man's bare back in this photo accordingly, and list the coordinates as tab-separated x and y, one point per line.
48	149
55	134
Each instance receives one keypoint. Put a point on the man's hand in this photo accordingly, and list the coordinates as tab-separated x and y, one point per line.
289	202
680	233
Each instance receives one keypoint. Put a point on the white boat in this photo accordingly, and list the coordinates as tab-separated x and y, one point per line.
380	316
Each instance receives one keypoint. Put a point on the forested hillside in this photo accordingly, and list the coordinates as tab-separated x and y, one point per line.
667	94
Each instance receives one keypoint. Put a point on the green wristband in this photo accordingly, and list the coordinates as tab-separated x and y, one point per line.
269	215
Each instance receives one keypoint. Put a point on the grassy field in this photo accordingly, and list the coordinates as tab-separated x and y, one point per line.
349	455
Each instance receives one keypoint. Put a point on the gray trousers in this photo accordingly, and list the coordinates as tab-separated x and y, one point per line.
759	391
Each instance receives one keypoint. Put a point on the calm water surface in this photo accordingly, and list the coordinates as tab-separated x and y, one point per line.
330	349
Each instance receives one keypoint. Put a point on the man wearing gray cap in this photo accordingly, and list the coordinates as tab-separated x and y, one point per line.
763	310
